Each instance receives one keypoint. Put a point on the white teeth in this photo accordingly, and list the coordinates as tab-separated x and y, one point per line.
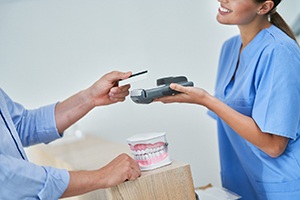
148	153
225	10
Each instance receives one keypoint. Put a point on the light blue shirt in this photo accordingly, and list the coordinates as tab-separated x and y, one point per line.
20	179
266	87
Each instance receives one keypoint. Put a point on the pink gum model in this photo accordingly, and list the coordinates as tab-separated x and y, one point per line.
150	150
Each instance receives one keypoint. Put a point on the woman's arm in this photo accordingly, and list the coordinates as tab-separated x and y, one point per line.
245	126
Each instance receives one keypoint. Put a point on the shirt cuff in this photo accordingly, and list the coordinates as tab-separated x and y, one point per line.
47	131
56	183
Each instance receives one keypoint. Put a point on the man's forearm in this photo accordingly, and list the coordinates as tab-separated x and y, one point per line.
72	109
82	182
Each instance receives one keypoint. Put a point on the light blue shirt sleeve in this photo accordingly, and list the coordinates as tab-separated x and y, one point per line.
33	126
42	130
20	179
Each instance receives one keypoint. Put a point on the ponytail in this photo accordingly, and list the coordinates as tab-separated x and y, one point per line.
278	21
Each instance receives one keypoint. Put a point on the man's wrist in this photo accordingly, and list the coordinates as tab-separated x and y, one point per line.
87	99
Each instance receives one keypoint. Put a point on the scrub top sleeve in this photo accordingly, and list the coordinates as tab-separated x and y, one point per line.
276	108
20	179
212	114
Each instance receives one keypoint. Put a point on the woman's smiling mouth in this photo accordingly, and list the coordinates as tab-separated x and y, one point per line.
224	10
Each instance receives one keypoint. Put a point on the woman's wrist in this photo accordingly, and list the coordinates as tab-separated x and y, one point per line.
207	100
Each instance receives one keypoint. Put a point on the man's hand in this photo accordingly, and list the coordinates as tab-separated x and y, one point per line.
121	169
106	91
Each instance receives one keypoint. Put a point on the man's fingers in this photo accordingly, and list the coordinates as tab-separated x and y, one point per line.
119	93
116	75
134	174
136	167
120	89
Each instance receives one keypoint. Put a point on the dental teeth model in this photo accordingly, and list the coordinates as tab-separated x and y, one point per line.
150	150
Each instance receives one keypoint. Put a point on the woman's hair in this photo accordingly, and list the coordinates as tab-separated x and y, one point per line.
277	20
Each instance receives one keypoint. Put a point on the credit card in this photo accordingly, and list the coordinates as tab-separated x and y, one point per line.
134	78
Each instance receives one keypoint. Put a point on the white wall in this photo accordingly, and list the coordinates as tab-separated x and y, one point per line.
51	49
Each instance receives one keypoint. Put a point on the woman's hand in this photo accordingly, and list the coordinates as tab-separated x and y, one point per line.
188	94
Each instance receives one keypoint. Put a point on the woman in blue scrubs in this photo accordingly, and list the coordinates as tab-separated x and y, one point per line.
256	102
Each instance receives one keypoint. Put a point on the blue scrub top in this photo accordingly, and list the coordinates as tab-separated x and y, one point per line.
266	87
